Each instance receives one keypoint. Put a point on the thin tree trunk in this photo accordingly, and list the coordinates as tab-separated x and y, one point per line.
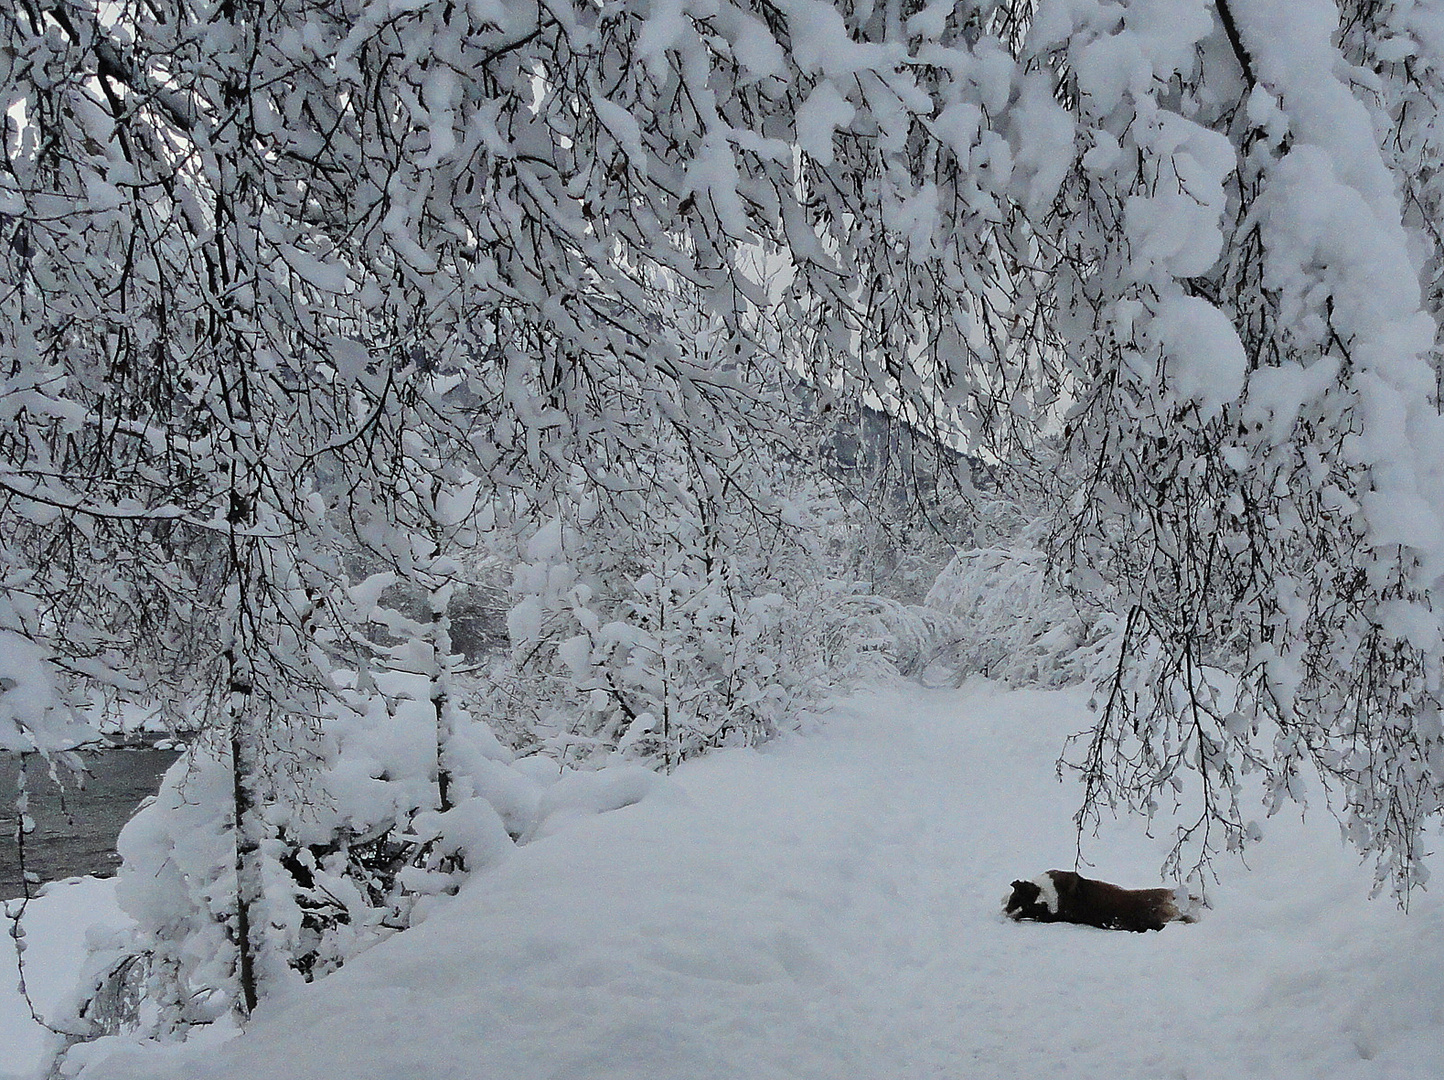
248	832
440	635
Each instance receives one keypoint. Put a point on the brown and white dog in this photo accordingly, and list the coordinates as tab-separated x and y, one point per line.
1063	896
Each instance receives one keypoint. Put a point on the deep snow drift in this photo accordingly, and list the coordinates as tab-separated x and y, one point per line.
828	907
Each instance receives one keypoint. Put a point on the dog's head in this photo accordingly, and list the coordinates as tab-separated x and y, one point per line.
1026	902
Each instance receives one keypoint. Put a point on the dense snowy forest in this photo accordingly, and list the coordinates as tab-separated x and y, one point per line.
412	395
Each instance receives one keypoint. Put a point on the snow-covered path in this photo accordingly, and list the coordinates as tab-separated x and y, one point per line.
829	908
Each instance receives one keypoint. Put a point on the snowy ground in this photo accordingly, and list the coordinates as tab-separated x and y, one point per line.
829	907
55	927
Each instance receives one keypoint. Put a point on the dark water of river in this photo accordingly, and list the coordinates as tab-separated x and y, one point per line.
81	838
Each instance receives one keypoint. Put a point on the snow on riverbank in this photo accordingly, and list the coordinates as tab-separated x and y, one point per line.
829	907
55	929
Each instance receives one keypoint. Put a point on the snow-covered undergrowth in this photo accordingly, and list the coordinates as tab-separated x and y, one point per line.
355	852
995	612
828	906
650	634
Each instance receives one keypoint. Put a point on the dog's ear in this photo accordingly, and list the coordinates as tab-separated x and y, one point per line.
1019	884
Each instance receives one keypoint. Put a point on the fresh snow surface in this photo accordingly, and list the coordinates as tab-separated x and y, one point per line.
829	907
55	930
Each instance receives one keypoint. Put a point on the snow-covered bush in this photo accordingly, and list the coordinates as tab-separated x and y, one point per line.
653	631
353	848
998	612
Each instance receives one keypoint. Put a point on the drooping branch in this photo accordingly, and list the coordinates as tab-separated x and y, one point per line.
1230	29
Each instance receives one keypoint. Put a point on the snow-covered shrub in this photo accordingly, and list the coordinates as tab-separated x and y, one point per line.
997	612
661	634
354	849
